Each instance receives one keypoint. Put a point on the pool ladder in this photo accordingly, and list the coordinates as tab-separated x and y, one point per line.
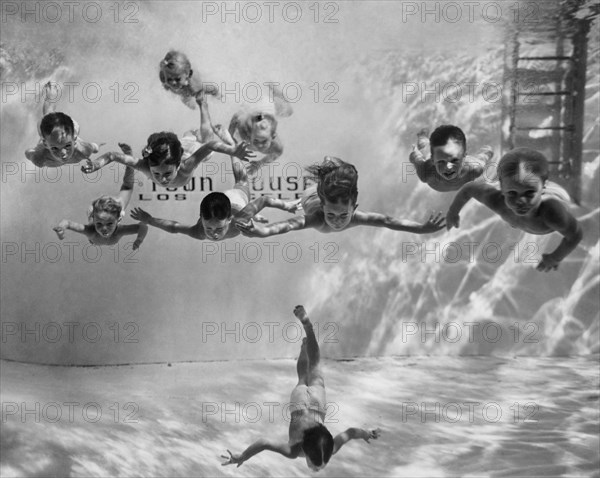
544	98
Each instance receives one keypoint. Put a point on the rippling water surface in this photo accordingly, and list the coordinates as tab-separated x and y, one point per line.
439	416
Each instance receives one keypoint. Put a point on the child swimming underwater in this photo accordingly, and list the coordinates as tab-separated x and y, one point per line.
448	168
331	206
308	436
527	201
60	143
104	216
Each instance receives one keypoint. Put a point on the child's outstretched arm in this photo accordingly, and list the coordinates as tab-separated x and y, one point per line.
250	229
240	151
433	224
66	224
258	446
93	165
141	235
418	156
258	204
234	125
274	152
126	190
557	217
206	130
483	192
354	434
166	225
140	230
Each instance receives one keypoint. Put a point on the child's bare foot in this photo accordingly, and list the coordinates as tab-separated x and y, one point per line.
210	89
300	312
293	206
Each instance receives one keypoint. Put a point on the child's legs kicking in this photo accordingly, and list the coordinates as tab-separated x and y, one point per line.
302	363
206	129
240	177
314	375
127	187
223	134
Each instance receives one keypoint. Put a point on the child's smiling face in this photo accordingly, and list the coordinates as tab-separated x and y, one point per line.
338	214
448	159
105	223
522	193
60	144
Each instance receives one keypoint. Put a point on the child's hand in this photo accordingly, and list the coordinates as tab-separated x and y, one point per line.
136	244
243	152
140	215
452	219
60	232
548	263
434	223
300	312
293	206
91	166
232	459
126	149
250	229
372	434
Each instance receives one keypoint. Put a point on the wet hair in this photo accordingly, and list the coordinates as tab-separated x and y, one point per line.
215	206
317	444
162	148
173	63
53	120
523	159
442	134
106	204
336	180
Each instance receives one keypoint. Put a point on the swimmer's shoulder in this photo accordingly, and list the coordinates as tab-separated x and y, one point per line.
38	155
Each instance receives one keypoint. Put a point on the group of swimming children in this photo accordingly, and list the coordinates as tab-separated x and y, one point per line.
522	196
